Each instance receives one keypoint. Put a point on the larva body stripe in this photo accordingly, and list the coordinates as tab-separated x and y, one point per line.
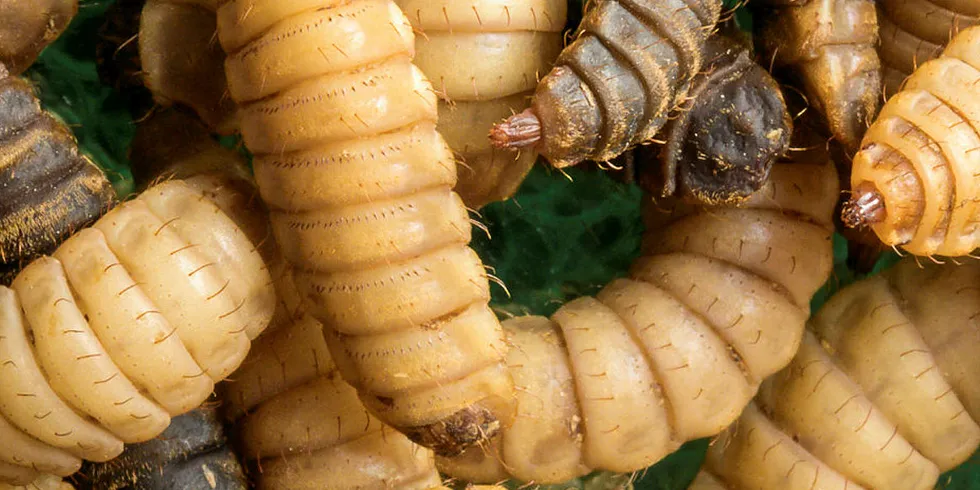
630	63
331	84
916	31
919	160
91	358
881	395
48	189
670	341
484	58
829	45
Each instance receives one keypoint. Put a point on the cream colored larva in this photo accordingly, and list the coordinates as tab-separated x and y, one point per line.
716	304
882	394
126	324
359	185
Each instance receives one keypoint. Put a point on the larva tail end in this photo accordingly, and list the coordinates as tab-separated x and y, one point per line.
451	436
865	207
517	131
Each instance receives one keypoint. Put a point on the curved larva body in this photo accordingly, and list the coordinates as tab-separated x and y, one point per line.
484	59
830	45
882	394
304	426
128	323
914	180
47	189
613	87
26	28
359	185
916	31
717	303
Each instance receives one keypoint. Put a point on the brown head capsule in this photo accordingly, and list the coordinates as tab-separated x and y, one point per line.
721	146
914	181
631	63
882	394
829	47
673	352
26	28
483	59
359	186
47	189
916	31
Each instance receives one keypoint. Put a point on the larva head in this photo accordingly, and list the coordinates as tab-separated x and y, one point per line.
721	150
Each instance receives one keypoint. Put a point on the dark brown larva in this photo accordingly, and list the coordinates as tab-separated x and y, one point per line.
721	146
192	454
883	394
27	27
47	189
916	31
829	47
631	63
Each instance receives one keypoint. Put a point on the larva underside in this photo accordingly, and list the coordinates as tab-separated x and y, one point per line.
359	184
914	181
128	323
916	31
672	341
47	189
484	59
882	394
828	46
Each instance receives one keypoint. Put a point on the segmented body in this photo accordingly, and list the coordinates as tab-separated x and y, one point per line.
716	304
192	454
128	323
26	28
882	394
829	45
916	31
43	482
47	189
613	87
359	184
914	180
484	59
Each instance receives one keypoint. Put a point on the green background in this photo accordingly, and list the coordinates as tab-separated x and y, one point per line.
562	236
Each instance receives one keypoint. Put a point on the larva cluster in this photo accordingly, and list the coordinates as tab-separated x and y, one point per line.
613	87
915	179
47	189
128	323
882	394
484	59
28	27
828	46
716	304
916	31
359	185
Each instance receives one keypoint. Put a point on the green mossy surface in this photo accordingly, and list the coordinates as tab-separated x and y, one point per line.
561	237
